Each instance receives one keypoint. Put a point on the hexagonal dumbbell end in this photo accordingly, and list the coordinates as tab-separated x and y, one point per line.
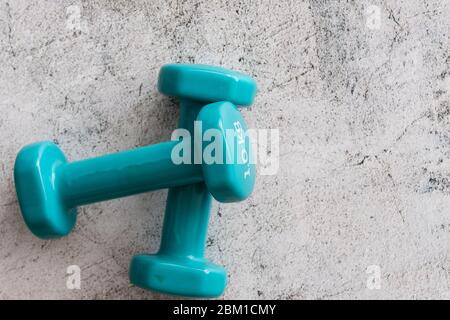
202	83
228	166
35	173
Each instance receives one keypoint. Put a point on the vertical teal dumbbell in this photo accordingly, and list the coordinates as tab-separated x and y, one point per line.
180	267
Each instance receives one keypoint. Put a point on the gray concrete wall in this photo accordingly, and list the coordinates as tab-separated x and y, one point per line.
359	91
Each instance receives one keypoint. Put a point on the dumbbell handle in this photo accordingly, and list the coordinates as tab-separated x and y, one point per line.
123	174
188	206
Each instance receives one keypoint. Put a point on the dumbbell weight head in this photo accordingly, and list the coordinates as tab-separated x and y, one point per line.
35	172
206	84
232	177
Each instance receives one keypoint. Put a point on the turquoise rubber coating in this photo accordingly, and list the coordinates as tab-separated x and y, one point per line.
235	168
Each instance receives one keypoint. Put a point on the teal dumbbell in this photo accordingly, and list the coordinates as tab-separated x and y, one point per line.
49	188
180	267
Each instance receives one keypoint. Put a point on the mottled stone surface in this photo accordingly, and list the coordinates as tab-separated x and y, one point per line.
360	91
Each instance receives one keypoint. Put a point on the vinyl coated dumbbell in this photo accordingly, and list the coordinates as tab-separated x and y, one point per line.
179	267
49	188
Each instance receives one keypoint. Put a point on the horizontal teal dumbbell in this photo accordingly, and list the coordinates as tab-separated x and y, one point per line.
49	188
179	267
